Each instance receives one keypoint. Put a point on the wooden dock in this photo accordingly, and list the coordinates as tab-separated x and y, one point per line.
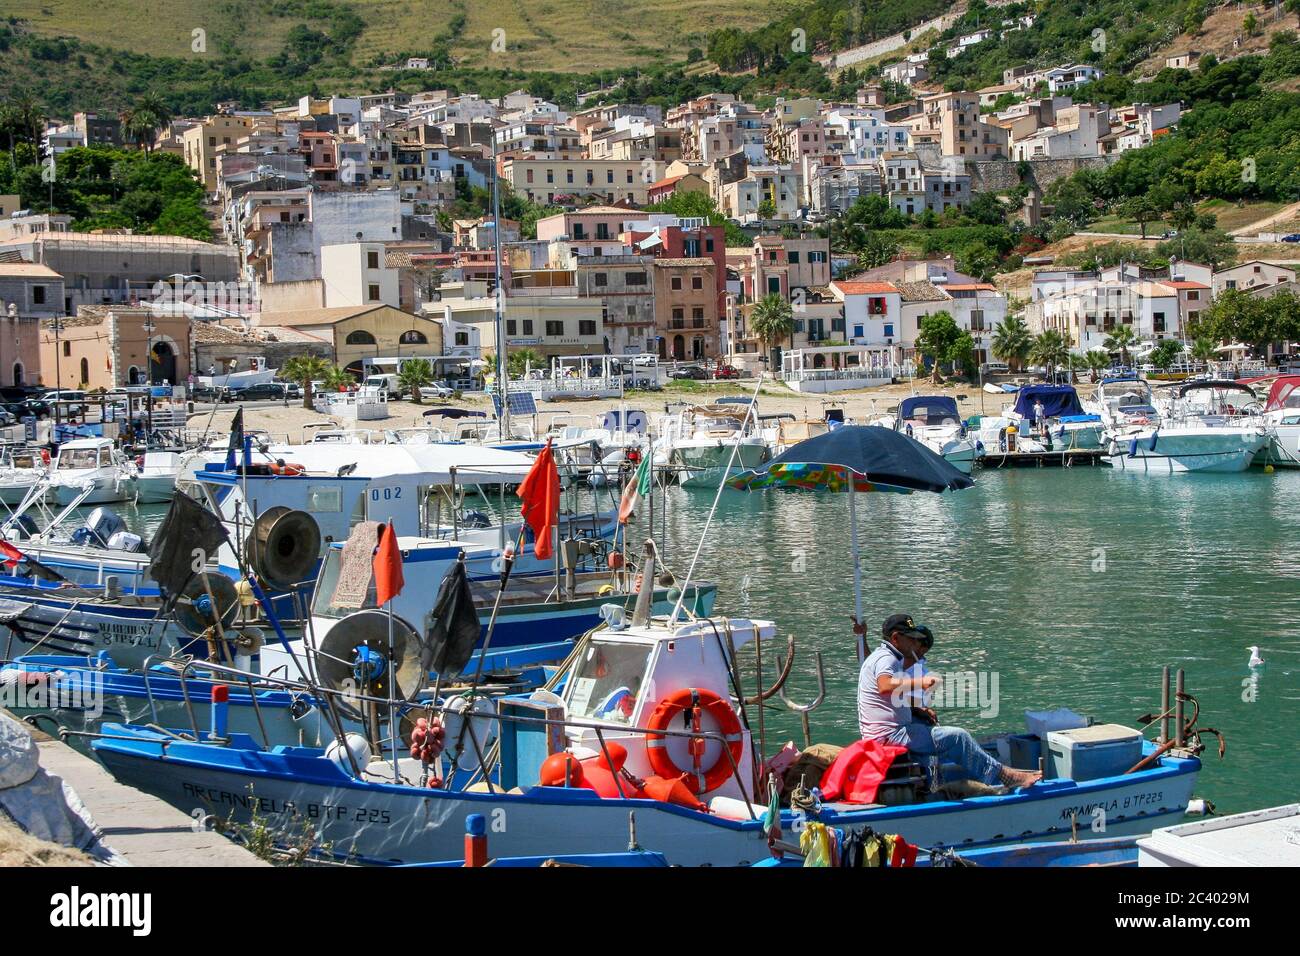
142	828
1065	458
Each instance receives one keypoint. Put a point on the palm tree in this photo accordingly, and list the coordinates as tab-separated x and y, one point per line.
336	379
1049	350
142	121
1012	341
305	369
1204	350
771	320
1097	361
414	375
518	362
1120	340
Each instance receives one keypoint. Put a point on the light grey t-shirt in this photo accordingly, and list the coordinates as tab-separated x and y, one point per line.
880	714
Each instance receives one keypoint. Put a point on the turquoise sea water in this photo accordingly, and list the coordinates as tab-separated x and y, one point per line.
1073	586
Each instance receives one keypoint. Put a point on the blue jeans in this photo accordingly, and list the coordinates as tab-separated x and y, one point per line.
951	745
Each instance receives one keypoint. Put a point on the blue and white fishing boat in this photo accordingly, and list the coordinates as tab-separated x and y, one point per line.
625	686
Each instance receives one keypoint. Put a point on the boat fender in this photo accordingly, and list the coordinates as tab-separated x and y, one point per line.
359	747
909	431
563	770
1154	436
1133	448
691	703
428	739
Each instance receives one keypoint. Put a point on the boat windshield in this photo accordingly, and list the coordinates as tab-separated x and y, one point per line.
78	458
323	600
607	680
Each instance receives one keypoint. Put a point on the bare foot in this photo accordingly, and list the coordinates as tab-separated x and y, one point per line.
1019	778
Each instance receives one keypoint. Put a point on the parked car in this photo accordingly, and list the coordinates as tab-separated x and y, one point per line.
292	389
1293	237
261	392
696	372
726	371
211	393
436	391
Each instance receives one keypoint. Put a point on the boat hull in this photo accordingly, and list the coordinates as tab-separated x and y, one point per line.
703	465
1174	453
384	823
107	491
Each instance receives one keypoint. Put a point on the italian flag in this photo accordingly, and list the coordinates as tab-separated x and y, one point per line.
636	488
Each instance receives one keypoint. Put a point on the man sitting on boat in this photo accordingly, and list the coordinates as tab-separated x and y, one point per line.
885	708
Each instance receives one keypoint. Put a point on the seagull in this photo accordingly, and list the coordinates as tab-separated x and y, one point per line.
1255	659
346	470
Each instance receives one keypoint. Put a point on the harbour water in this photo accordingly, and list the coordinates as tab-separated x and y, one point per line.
1072	587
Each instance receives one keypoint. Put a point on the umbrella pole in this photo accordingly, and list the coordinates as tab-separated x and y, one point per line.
860	639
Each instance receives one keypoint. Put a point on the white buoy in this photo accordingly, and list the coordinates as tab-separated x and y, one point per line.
359	747
1255	659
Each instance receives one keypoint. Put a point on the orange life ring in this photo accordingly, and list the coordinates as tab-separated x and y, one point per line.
694	701
289	469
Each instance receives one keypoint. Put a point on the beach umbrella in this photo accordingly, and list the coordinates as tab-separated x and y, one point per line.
856	458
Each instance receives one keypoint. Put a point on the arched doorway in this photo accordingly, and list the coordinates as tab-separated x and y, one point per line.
85	372
133	375
697	348
819	361
162	364
19	373
679	347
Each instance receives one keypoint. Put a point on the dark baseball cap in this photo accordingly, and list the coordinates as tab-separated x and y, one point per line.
904	624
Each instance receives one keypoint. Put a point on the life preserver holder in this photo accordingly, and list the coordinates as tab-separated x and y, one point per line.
692	702
288	469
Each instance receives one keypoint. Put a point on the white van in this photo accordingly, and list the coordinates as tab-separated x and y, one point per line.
388	382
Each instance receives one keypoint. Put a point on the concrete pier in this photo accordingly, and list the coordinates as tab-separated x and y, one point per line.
142	828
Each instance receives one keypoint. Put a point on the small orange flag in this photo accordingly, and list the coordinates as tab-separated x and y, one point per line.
540	492
387	567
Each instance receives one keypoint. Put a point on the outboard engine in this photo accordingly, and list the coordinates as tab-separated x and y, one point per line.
126	541
100	526
20	528
476	519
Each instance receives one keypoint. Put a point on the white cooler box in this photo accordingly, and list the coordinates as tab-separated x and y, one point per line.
1088	753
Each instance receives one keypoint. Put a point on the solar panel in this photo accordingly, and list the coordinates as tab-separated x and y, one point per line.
521	403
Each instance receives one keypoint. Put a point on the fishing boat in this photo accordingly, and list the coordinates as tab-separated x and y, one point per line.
628	685
935	422
91	471
705	443
1205	425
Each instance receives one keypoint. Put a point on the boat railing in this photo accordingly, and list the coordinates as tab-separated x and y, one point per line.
254	682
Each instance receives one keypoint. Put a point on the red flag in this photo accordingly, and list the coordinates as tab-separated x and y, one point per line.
387	567
11	554
540	492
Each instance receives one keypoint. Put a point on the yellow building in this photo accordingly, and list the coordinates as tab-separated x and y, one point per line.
108	347
609	180
215	134
364	331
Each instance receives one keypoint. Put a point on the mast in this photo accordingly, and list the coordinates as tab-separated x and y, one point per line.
499	296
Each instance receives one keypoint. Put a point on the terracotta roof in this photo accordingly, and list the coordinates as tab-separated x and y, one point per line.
920	292
864	288
1183	284
297	317
667	182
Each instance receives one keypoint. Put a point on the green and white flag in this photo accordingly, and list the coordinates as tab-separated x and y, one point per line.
636	488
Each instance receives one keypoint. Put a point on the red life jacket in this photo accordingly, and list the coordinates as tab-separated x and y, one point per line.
858	771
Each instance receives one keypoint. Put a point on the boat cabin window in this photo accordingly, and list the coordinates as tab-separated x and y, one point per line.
324	498
607	681
80	458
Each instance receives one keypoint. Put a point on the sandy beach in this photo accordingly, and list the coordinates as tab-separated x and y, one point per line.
293	423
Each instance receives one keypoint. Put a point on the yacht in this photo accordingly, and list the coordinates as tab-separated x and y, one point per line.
935	422
1204	425
95	467
21	470
703	441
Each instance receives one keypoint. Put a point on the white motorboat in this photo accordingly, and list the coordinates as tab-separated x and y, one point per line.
1206	425
935	422
158	471
95	466
703	441
20	471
